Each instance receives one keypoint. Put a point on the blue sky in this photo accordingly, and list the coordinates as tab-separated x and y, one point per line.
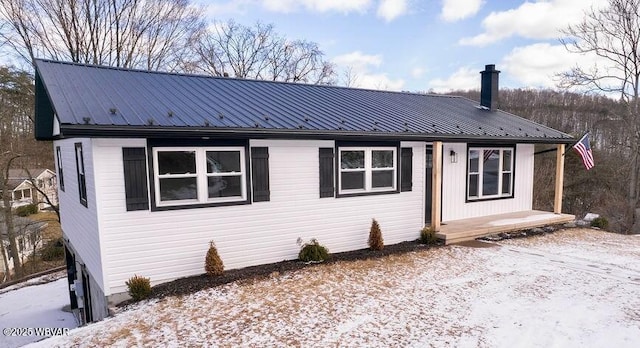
429	45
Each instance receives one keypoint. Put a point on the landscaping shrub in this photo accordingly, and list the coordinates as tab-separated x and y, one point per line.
27	210
428	235
375	236
53	250
600	222
313	251
139	287
213	263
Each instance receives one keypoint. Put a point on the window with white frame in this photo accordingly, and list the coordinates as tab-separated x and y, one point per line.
490	173
196	175
367	169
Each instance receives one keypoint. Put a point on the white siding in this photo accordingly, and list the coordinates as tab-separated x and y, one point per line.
165	245
80	223
454	206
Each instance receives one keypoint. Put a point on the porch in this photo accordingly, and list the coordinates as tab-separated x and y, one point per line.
469	229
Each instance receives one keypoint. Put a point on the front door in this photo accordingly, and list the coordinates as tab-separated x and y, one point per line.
428	160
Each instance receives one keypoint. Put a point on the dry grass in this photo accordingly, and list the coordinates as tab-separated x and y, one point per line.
53	229
50	232
420	298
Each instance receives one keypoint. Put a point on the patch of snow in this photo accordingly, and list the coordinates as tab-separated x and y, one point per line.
590	217
36	281
570	288
36	306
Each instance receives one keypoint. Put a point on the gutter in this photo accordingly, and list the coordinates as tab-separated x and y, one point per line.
92	131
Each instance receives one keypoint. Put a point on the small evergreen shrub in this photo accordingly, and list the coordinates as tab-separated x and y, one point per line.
313	251
600	222
375	236
428	235
139	287
53	250
27	210
213	263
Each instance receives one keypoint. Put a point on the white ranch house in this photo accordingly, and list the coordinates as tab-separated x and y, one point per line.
152	166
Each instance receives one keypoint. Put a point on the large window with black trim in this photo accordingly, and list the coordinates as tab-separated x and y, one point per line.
490	172
199	175
367	169
60	170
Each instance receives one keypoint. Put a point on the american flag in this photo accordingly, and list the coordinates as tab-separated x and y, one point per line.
584	150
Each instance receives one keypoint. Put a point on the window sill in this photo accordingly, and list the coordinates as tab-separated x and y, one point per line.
366	193
468	200
198	205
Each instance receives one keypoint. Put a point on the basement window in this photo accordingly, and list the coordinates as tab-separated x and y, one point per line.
367	169
490	173
184	176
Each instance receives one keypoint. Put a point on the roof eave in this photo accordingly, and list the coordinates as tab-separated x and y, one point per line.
101	131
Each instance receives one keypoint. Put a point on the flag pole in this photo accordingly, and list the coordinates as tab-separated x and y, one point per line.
574	144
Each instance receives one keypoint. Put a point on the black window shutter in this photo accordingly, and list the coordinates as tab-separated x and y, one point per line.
135	178
260	174
326	172
406	168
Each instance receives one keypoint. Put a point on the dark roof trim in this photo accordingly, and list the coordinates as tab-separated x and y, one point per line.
93	131
44	112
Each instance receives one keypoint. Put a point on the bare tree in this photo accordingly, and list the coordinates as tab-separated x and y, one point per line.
258	52
612	34
16	142
7	214
350	77
148	34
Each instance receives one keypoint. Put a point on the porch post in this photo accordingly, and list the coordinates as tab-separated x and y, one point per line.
436	183
557	202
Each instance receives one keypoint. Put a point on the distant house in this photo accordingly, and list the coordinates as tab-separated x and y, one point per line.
23	191
28	240
152	166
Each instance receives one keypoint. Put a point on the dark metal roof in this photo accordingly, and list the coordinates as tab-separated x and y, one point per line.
104	101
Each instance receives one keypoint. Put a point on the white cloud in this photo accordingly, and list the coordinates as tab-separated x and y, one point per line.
387	9
533	20
236	7
360	66
464	78
536	65
343	6
417	72
358	60
378	81
392	9
455	10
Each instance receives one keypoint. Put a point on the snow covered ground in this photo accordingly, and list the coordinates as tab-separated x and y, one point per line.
34	306
577	288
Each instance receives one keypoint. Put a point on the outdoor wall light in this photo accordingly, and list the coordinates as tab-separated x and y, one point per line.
454	156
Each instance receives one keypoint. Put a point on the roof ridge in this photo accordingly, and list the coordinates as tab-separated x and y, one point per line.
158	72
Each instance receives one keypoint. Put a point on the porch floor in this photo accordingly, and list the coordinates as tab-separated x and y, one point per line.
468	229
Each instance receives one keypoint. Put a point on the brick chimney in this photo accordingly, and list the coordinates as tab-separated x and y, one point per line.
489	87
